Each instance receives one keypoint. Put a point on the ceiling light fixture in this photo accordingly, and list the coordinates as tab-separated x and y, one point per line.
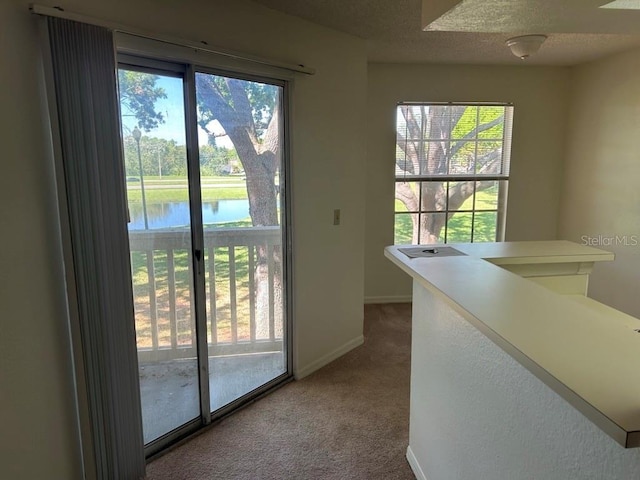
526	45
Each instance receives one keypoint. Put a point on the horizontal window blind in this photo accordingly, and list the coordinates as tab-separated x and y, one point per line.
451	171
459	140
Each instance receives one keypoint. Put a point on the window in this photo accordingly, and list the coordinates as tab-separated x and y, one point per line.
452	172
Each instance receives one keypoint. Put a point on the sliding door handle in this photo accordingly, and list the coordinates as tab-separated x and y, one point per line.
198	254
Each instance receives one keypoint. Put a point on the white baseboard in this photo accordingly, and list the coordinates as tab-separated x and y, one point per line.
415	466
329	357
388	299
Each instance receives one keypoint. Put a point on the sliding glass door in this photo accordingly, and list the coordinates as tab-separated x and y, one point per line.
204	158
241	150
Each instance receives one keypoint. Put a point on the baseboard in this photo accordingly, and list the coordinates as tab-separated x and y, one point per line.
329	357
415	466
388	299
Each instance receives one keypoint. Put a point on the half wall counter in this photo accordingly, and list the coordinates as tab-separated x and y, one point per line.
515	373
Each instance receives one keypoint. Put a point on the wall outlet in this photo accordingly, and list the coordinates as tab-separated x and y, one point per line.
336	216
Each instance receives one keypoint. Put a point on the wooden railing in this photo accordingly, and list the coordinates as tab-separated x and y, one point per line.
243	284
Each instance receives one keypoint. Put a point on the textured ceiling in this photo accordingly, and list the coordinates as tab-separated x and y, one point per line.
544	16
474	31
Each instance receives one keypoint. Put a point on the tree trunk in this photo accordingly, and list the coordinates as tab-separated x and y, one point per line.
260	159
261	190
435	125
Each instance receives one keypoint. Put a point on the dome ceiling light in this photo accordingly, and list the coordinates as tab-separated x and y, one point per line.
525	45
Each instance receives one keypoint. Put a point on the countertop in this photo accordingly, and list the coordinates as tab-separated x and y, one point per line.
585	351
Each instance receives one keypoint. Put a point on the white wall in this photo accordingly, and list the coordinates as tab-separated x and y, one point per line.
601	194
38	430
37	416
540	99
478	414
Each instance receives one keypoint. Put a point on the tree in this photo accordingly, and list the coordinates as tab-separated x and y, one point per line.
437	140
249	113
138	97
215	160
159	157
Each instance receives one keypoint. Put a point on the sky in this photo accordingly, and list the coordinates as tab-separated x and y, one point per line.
172	109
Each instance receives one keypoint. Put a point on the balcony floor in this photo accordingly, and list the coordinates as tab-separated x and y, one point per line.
169	390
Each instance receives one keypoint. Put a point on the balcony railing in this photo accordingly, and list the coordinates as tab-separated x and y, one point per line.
243	285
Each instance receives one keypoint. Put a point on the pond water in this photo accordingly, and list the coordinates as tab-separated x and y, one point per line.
176	214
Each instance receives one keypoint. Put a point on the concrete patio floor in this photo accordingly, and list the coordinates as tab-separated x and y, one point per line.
169	390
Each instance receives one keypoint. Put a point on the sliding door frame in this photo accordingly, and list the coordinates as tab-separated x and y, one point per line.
186	71
197	241
285	221
185	74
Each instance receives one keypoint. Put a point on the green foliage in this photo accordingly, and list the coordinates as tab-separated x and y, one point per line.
138	96
164	158
159	157
474	116
261	102
216	160
262	98
476	123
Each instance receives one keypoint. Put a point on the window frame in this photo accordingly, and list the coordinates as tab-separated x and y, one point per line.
502	179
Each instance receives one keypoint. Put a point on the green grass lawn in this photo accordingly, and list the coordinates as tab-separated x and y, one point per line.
459	224
182	180
182	194
218	286
216	260
157	189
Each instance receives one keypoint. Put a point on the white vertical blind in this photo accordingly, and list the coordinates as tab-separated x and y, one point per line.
84	81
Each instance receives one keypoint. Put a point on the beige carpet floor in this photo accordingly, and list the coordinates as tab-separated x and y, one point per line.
349	420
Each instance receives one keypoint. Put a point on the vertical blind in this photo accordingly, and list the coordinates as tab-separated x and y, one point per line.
84	81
